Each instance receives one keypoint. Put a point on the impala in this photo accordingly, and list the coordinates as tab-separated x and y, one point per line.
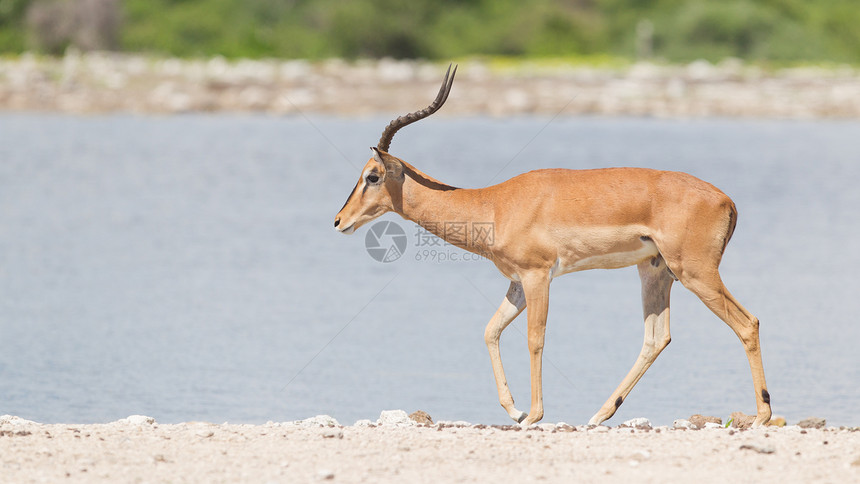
546	223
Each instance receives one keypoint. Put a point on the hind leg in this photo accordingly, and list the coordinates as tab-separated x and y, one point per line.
656	285
709	287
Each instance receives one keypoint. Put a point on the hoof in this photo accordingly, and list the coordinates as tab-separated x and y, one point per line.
519	418
595	421
759	424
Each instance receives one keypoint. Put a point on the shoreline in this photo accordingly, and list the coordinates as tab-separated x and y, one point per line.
393	450
99	82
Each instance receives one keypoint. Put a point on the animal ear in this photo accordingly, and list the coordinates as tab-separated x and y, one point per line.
377	155
392	165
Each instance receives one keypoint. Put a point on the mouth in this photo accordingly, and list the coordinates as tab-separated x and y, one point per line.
347	230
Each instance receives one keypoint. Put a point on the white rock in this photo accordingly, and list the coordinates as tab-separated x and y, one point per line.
318	421
599	429
395	417
565	427
638	422
547	427
682	423
325	475
136	420
363	423
13	420
713	425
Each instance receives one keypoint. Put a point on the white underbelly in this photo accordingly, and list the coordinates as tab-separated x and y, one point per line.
607	260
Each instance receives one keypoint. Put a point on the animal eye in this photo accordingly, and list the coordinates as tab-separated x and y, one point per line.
373	178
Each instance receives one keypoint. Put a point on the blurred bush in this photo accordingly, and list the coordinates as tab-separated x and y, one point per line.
53	25
677	30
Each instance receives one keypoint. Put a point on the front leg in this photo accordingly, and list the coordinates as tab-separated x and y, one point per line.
511	307
536	288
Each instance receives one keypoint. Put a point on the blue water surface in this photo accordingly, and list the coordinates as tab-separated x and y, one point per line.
186	268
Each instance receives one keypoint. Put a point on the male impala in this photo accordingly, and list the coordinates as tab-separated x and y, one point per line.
546	223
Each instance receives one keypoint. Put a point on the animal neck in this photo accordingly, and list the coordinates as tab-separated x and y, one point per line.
458	216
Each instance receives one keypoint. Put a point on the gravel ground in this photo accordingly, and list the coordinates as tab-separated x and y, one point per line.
105	82
138	449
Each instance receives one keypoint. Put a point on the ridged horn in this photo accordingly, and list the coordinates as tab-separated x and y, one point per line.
396	124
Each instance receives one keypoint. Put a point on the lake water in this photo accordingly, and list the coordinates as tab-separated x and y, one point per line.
186	268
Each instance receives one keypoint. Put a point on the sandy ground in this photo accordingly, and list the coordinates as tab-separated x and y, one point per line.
138	449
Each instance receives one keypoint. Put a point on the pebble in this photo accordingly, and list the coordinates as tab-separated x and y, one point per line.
332	433
136	420
761	449
700	420
638	422
641	454
397	418
318	421
741	420
812	423
421	417
456	423
682	423
13	420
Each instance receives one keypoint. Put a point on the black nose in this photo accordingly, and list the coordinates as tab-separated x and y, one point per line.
336	222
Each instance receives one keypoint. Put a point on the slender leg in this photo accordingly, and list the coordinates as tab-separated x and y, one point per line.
511	307
536	288
656	286
714	294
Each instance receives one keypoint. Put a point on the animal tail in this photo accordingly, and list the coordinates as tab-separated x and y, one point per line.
733	221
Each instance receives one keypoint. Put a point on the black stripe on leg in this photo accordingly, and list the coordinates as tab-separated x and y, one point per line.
618	402
765	396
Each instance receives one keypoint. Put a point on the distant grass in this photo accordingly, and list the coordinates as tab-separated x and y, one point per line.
599	33
514	64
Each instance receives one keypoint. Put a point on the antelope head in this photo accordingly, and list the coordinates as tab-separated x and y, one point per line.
379	188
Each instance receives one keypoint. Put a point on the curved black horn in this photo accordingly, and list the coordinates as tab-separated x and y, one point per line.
396	124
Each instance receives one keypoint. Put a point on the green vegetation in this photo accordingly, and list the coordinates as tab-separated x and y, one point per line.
675	30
